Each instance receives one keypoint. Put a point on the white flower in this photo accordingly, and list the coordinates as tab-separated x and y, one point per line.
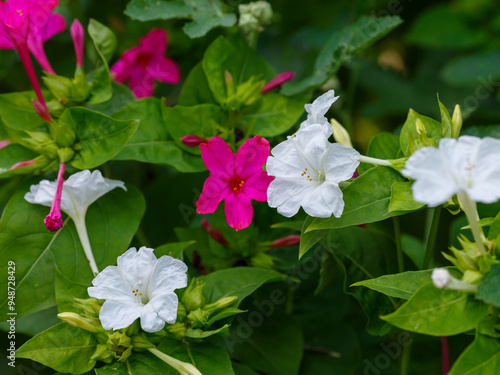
139	286
307	170
469	165
80	190
317	110
78	193
440	277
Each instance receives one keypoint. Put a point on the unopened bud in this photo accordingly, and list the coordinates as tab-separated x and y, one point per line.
442	279
42	111
277	81
216	234
192	297
77	34
456	122
193	140
77	321
4	143
228	79
340	134
22	164
184	368
420	127
220	304
291	240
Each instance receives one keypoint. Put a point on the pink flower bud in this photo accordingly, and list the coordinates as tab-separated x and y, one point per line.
193	140
214	233
78	36
22	164
291	240
42	111
4	143
53	221
277	81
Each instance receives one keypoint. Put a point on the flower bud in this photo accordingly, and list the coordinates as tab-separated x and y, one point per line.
178	330
220	304
62	132
291	240
340	134
442	279
456	122
76	320
78	36
277	81
120	345
216	234
184	368
193	140
420	127
4	143
42	111
192	297
229	81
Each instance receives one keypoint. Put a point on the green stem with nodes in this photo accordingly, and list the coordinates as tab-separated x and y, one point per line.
81	229
470	209
431	237
375	161
399	247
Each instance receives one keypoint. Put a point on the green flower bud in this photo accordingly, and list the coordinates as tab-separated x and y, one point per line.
62	132
340	134
219	305
192	297
197	318
88	324
456	122
42	143
120	345
177	330
90	306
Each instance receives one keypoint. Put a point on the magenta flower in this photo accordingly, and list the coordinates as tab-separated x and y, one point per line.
145	64
30	22
78	36
277	81
235	178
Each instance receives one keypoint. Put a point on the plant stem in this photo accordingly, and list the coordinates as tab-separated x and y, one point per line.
405	359
470	209
431	237
375	161
81	228
399	247
445	355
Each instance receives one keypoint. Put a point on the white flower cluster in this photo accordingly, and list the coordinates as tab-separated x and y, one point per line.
308	168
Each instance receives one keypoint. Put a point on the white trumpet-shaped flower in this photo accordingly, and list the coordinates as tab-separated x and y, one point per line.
317	110
307	170
139	286
79	191
469	165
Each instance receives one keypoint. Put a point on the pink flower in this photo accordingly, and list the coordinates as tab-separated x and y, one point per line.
30	22
277	81
78	36
144	64
235	178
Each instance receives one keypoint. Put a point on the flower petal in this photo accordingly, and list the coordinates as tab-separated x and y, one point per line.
43	193
214	190
486	174
167	275
141	83
239	211
218	157
155	42
256	186
251	156
340	163
117	315
110	284
165	306
287	196
324	201
164	70
135	265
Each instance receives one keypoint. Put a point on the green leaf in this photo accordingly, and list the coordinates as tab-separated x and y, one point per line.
367	200
343	46
445	119
275	114
204	120
63	347
17	111
174	249
111	223
205	14
13	153
151	143
401	285
442	27
311	238
483	131
67	290
99	137
382	146
489	289
120	98
458	71
482	357
265	350
238	282
105	43
433	130
235	57
365	254
402	198
438	312
240	369
195	89
494	231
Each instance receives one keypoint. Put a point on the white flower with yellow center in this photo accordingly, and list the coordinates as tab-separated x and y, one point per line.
139	286
307	170
317	110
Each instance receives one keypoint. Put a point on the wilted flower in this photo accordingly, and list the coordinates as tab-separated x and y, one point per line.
139	286
144	64
235	178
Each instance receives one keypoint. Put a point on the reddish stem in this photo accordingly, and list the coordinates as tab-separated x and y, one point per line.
24	54
445	355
